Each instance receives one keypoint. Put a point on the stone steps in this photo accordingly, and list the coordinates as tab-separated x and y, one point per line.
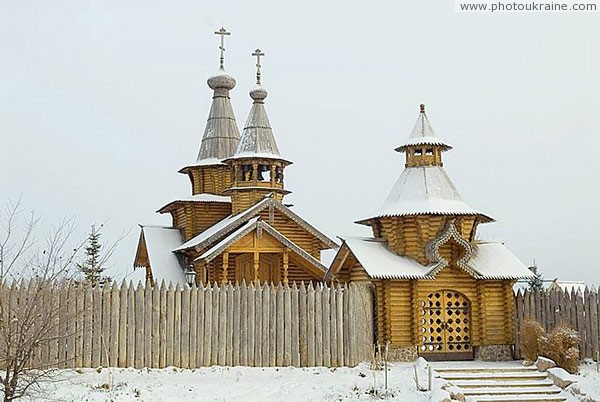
482	382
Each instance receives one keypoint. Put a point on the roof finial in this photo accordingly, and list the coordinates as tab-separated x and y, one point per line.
258	53
222	32
422	106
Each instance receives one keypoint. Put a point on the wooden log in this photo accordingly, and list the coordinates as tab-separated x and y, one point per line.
326	329
341	321
222	327
302	321
230	320
185	328
287	326
272	326
280	327
236	352
138	361
295	327
519	300
243	324
208	324
154	291
333	326
347	322
53	344
593	317
177	327
258	335
193	326
587	341
265	306
580	321
130	338
319	326
310	325
163	327
71	328
106	321
200	327
97	349
250	329
123	314
87	327
216	316
79	319
148	351
114	324
170	326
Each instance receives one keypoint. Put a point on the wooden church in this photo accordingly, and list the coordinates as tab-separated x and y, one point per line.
439	292
235	225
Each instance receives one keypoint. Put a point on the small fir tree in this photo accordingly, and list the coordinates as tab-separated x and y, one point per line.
537	282
93	267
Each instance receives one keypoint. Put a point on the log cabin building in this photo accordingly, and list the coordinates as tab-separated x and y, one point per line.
235	225
440	293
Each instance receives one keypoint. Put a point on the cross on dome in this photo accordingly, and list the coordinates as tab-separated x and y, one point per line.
258	53
223	32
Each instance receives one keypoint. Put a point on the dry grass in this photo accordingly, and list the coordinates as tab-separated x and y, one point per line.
531	333
562	346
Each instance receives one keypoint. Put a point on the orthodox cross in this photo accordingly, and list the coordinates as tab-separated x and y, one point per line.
222	32
258	53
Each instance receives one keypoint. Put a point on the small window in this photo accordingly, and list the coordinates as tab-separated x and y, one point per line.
429	151
418	152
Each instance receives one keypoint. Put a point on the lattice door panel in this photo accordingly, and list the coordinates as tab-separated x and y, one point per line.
445	323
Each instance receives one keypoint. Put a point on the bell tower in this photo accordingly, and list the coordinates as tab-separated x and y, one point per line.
423	148
209	175
257	166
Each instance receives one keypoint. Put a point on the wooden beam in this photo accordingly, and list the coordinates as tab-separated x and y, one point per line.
285	266
225	266
256	265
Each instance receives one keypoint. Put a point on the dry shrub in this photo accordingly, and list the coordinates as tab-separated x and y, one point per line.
562	346
531	333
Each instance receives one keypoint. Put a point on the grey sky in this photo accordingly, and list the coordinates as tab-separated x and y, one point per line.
101	102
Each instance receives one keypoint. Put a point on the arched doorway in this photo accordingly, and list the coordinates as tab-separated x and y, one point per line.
445	326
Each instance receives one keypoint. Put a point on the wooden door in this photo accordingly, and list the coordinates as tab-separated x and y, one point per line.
445	326
268	269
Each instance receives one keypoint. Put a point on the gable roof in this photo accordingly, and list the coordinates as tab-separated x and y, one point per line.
232	222
164	264
252	225
490	260
425	190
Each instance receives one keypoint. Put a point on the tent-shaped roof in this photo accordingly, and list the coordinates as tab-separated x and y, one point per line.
221	134
490	260
425	190
423	134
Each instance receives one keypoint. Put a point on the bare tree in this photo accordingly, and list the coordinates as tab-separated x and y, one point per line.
29	270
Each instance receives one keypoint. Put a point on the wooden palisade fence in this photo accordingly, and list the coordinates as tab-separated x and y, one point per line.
580	310
227	325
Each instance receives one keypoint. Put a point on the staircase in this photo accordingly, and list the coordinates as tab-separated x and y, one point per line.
481	381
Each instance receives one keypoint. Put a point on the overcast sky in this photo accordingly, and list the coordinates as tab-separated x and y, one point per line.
102	102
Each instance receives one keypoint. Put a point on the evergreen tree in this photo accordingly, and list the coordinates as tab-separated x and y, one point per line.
93	266
538	281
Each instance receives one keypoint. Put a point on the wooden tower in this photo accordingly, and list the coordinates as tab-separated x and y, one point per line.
439	292
234	227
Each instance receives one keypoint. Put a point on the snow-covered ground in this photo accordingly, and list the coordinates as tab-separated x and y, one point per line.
235	384
255	384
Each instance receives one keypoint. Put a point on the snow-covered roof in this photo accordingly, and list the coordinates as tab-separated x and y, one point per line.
423	134
225	226
257	138
382	263
227	241
489	260
163	263
198	198
425	190
221	135
493	260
